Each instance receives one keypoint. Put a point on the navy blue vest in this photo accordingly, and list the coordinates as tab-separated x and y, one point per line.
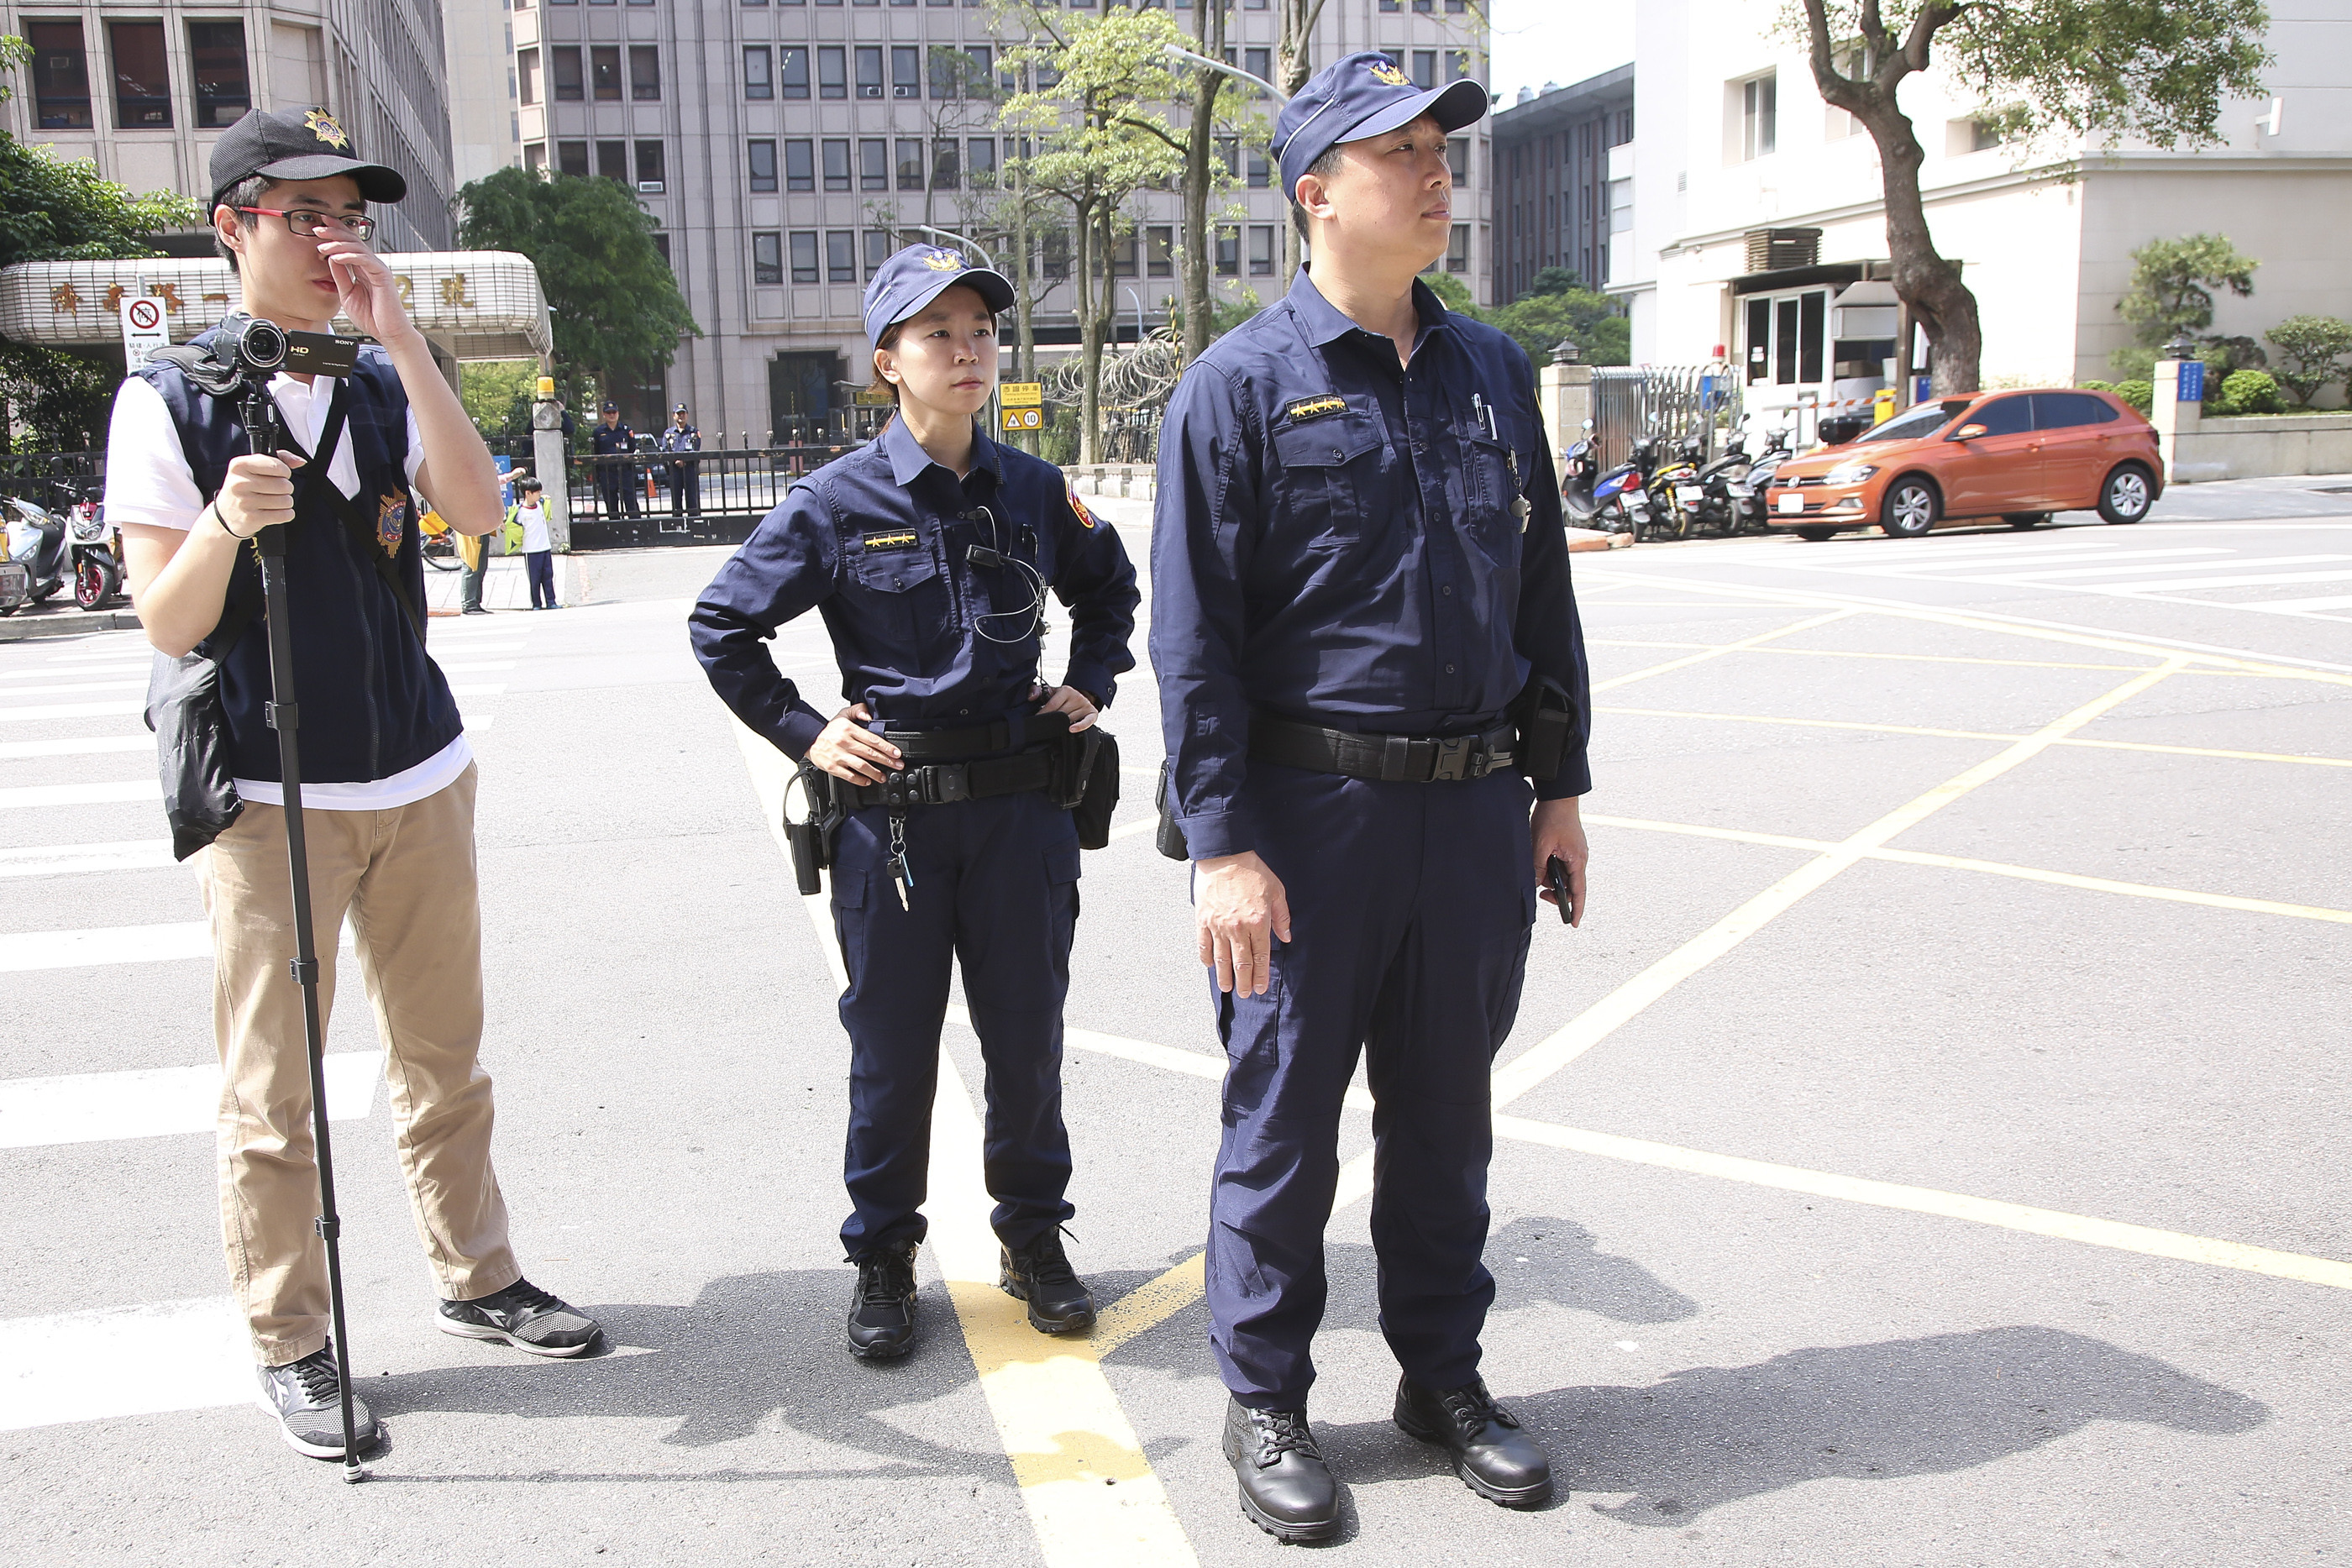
373	703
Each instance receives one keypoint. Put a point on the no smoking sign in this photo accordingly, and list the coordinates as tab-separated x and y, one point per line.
143	331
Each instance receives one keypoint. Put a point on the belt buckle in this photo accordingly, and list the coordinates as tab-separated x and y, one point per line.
902	789
1454	759
950	783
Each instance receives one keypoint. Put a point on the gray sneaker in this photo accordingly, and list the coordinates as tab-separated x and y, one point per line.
525	1317
306	1398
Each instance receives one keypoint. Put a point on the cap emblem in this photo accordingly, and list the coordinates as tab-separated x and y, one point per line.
1385	73
322	125
944	261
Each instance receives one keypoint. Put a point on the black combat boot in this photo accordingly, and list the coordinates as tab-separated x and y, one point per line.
1492	1455
1041	1275
1287	1489
882	1312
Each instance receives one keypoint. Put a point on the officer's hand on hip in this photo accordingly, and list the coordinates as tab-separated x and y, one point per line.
257	494
1558	830
847	749
1068	700
1242	911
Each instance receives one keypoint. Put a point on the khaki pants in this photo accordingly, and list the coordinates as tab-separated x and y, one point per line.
407	878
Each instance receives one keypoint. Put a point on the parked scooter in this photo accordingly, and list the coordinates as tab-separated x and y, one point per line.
1750	491
36	541
1673	488
96	549
1622	496
1713	508
1579	471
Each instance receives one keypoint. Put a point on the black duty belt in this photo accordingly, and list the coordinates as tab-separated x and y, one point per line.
976	740
1388	758
945	783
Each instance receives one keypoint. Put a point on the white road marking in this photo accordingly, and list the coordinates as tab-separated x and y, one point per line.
75	710
2298	606
71	687
57	860
81	794
82	745
473	666
2249	579
156	1102
71	671
26	951
490	689
123	1361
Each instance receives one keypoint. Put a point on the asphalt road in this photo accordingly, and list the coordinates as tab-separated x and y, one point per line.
1931	1151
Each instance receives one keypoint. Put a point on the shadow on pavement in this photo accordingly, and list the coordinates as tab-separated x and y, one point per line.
1714	1435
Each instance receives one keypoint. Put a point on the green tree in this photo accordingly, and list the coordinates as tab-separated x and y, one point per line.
56	209
1552	308
497	395
2311	351
2155	70
1099	140
616	309
2173	281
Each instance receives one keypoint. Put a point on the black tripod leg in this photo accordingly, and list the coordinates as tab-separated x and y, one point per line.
285	717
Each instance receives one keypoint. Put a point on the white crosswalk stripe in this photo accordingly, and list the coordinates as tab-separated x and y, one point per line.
90	745
155	1102
71	1366
75	710
60	860
81	794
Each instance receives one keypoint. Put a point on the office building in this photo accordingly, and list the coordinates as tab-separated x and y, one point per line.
485	127
1553	200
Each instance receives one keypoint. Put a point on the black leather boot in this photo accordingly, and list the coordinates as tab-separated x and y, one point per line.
882	1311
1492	1455
1287	1489
1041	1275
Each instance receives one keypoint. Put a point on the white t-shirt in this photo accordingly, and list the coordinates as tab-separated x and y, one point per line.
148	481
533	518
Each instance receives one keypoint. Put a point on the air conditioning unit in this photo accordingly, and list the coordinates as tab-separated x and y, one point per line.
1777	250
650	187
868	90
904	93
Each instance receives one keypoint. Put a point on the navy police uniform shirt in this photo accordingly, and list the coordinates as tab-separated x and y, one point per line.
1334	542
880	543
614	438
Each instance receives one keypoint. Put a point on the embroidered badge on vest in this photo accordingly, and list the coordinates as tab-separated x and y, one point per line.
1314	408
389	512
889	541
1078	508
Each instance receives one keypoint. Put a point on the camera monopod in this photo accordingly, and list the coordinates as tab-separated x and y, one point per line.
265	434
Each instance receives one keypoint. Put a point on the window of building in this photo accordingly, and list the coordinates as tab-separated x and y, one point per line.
980	163
61	76
1457	64
644	73
142	81
947	72
216	55
563	65
803	243
1261	175
1056	264
1160	251
759	73
872	164
800	164
755	2
877	249
1759	116
1458	249
910	165
869	72
794	68
572	158
1122	256
836	164
841	256
527	64
947	170
1259	63
1260	241
613	161
1424	67
767	258
1457	159
605	73
1229	251
761	163
905	72
534	156
979	69
651	176
832	71
1229	153
661	247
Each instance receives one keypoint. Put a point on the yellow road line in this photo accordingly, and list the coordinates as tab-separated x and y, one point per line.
2093	1232
1090	1493
1713	652
1855	653
1993	868
1985	735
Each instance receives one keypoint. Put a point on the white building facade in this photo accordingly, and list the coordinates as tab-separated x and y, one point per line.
1756	232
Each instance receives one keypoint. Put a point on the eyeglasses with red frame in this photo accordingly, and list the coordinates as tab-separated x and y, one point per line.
305	223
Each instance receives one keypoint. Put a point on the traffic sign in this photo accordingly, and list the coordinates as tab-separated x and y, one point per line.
1023	394
144	331
1019	419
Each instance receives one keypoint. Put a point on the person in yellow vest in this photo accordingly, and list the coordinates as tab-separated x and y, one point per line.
527	532
474	550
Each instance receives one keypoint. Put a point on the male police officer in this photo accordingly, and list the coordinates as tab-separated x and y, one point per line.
685	477
1357	568
616	481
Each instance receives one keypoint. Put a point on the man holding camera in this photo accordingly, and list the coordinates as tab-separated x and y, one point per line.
388	784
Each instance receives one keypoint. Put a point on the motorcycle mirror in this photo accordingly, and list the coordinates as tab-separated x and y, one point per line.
1588	424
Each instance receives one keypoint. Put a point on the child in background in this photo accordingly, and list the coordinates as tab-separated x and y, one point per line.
526	527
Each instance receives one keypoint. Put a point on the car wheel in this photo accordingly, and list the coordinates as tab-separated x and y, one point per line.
1910	509
2126	496
1817	534
2026	519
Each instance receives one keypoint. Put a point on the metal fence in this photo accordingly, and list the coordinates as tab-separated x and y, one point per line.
37	475
1667	402
710	498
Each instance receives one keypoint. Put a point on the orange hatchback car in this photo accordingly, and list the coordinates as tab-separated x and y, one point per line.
2016	455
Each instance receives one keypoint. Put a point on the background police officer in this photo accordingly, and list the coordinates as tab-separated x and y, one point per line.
1356	566
685	477
616	481
929	551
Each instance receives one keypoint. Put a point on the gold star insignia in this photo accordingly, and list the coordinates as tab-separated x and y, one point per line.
943	261
1387	75
322	125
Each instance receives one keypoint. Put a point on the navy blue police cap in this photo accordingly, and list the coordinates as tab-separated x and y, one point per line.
298	144
1360	95
916	276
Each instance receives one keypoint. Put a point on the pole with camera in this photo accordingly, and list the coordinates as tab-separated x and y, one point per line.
261	350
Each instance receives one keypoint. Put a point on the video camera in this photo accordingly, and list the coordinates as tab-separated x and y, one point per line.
251	350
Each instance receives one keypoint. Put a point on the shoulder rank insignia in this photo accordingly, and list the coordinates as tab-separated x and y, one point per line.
1078	508
905	539
1314	408
390	512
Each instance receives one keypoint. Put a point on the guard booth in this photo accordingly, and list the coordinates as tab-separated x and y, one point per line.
1813	340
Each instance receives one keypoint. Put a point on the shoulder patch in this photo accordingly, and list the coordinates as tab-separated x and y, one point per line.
1314	408
902	540
1078	507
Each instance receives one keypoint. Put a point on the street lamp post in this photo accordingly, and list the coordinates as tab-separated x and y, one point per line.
1177	52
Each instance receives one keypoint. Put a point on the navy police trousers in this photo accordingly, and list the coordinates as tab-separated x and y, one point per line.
1411	906
996	889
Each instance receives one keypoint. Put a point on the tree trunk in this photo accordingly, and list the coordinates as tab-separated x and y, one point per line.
1293	58
1927	284
1198	146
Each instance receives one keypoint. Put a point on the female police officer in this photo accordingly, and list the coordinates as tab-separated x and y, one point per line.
929	553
